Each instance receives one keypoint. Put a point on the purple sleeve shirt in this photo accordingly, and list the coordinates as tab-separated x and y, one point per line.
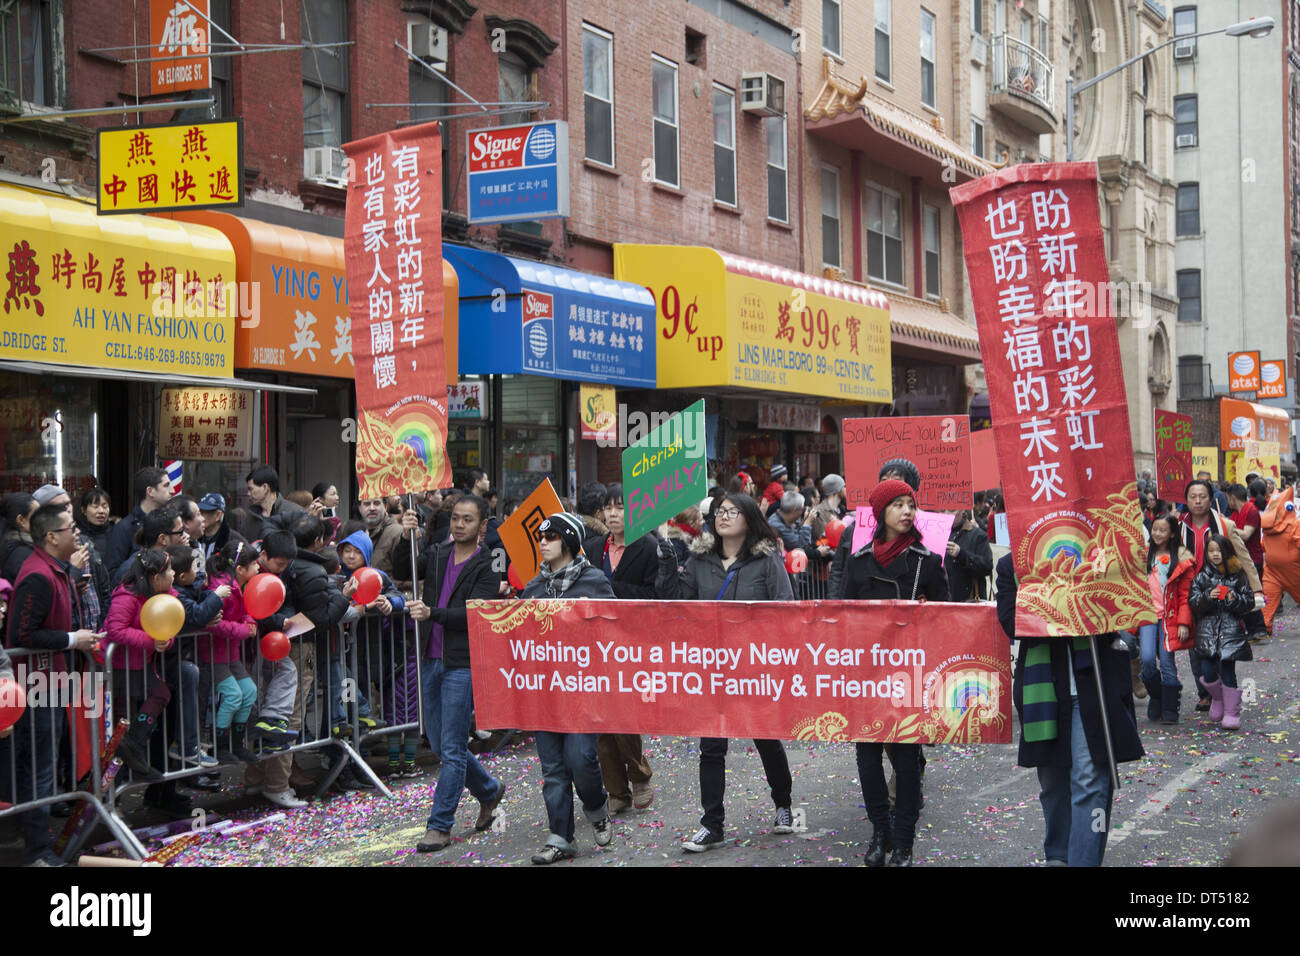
444	597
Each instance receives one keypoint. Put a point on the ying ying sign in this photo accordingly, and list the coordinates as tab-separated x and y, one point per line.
664	472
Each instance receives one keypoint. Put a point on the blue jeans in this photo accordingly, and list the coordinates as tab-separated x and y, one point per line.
36	748
338	712
1152	638
448	709
1076	802
569	762
183	678
1213	669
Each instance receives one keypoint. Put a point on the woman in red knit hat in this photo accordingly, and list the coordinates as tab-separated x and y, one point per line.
893	566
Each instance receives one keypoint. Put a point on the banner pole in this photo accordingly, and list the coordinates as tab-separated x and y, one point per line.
415	571
1105	720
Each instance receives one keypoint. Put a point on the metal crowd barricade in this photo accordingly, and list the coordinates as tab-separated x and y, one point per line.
811	585
77	700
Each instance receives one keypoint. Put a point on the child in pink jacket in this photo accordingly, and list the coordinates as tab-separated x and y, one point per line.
229	570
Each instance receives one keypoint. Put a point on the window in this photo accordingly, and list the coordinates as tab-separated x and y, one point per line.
882	40
696	49
598	94
977	137
664	91
1044	36
1185	120
927	59
1189	209
1189	295
830	216
1184	21
1191	377
325	74
884	235
27	54
428	86
776	166
221	69
930	218
514	85
724	145
831	26
977	16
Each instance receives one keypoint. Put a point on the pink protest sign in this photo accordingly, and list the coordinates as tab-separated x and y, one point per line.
935	526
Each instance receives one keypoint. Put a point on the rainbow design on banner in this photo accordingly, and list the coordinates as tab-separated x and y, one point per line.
1064	536
967	688
405	455
420	437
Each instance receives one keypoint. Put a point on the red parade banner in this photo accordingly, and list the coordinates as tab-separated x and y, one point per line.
1173	453
392	241
1041	291
889	671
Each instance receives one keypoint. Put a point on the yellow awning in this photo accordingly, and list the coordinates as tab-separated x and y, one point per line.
129	292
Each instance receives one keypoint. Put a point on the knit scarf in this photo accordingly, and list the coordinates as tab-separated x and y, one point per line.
887	551
557	582
1038	718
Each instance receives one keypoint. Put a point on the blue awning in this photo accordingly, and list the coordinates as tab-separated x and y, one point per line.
518	316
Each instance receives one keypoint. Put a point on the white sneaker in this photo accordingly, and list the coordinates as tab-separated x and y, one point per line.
286	798
604	831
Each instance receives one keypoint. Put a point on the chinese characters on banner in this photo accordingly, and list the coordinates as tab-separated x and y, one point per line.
939	446
786	417
1173	453
206	424
178	46
805	670
177	166
393	246
1034	253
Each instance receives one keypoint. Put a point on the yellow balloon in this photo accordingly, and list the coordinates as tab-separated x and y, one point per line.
162	617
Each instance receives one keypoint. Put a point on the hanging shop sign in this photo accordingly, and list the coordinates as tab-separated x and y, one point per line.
518	172
174	166
206	424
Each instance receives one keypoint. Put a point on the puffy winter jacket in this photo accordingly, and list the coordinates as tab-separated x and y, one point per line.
232	630
1219	629
201	605
1171	601
591	583
759	577
123	627
914	575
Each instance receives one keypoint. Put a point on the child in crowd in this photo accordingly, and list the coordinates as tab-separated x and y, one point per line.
228	571
1221	596
1170	569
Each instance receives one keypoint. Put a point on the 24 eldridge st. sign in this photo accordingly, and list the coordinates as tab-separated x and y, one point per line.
518	172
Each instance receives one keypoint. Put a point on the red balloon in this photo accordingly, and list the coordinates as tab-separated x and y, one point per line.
264	595
369	584
834	528
13	701
275	646
513	576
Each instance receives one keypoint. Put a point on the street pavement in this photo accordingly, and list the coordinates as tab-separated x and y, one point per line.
1184	804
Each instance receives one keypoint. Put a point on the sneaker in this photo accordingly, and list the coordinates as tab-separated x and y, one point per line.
271	749
482	734
603	830
286	799
551	854
704	839
487	812
209	782
372	723
276	730
195	758
643	794
784	822
619	806
253	789
434	840
407	770
47	858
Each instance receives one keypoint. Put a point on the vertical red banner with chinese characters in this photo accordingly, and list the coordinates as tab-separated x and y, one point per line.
1173	453
1040	287
393	249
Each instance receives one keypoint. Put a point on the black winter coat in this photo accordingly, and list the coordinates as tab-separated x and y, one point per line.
476	582
592	583
121	540
916	573
309	591
970	570
759	577
634	578
1220	632
1117	679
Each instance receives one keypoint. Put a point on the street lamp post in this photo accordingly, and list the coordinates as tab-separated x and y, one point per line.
1254	27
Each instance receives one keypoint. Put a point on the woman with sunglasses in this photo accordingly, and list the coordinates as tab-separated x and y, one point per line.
569	761
739	561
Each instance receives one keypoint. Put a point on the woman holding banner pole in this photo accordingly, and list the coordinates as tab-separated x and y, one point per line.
893	566
738	563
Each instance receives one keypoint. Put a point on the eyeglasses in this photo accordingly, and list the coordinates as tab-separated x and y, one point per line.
546	536
727	513
61	530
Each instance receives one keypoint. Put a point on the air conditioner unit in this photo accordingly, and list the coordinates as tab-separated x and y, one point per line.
1185	50
426	40
977	49
1185	140
324	164
762	93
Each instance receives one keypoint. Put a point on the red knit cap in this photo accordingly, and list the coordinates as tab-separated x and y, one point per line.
884	493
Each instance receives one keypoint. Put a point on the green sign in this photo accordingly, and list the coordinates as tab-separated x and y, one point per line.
664	473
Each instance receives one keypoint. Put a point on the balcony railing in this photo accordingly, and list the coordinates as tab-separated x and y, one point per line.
1020	69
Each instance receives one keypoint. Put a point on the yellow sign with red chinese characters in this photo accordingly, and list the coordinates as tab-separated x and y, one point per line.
131	292
205	423
176	166
719	325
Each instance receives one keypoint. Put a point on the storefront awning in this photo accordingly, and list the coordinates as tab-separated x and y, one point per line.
294	299
1241	421
129	293
725	320
122	375
925	325
519	316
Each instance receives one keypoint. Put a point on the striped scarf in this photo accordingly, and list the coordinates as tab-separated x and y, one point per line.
1038	718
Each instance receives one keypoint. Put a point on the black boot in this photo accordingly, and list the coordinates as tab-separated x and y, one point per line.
902	856
223	752
1153	697
882	842
238	747
133	749
1170	697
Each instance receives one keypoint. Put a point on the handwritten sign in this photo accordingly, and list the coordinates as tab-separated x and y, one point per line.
934	527
939	446
517	531
1173	452
1205	458
663	473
